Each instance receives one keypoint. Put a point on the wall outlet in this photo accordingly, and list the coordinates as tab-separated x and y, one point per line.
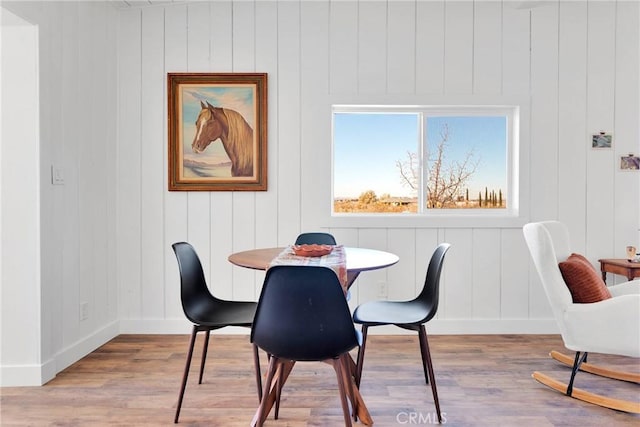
84	310
383	291
57	176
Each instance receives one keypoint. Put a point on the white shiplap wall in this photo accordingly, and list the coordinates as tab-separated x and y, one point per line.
575	62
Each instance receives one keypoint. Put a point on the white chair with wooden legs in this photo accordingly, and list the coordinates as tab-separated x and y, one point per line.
608	326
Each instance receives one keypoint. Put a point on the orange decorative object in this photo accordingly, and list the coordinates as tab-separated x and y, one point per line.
312	250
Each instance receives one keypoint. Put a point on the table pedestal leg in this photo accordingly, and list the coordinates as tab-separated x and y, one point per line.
361	409
281	375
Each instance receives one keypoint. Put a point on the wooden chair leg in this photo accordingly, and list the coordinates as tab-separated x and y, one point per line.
187	365
204	354
360	361
260	416
347	375
256	364
427	357
337	366
279	385
423	353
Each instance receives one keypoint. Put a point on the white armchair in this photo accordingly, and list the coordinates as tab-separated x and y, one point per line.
611	326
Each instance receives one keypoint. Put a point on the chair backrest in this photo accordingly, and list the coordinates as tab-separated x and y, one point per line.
317	238
303	315
194	292
548	243
430	294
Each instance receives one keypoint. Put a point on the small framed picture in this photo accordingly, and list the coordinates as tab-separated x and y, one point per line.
630	163
601	140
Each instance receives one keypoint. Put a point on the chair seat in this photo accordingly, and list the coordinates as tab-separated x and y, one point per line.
223	313
391	313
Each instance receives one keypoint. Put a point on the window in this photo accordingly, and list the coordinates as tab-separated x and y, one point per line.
453	160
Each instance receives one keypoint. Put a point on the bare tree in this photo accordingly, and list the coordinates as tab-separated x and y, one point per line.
409	170
446	180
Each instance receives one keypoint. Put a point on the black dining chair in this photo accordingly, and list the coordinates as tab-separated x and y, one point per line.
302	315
411	315
318	238
207	313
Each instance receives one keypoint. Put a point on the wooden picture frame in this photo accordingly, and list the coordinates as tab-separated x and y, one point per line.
217	131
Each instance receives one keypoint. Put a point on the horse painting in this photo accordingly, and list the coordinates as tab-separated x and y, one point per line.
233	131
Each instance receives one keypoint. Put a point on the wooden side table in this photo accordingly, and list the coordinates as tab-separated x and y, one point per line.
619	266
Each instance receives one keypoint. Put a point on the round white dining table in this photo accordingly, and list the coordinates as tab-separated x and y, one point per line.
357	259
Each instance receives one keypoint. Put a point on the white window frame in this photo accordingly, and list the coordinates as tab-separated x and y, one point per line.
517	212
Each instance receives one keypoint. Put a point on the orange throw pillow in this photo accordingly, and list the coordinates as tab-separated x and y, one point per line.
582	258
583	281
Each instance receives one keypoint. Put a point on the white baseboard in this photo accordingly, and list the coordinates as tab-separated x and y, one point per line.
435	326
76	351
170	326
25	375
39	374
478	327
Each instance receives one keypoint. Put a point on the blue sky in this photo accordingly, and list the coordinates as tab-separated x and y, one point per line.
367	146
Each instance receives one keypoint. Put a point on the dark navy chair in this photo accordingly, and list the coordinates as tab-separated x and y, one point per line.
303	316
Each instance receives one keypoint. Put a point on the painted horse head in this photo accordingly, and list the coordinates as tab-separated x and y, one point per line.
233	131
210	125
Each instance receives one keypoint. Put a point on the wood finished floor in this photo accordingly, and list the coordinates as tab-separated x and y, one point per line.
482	381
